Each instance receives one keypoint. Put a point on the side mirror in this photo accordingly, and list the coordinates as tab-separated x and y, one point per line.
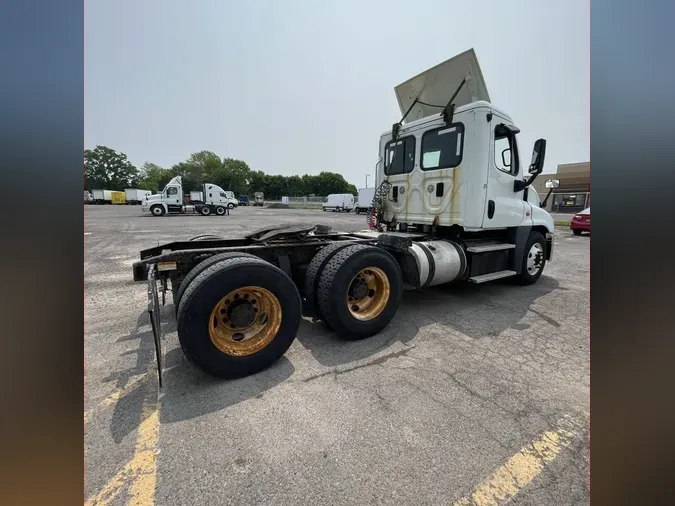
538	155
504	161
552	183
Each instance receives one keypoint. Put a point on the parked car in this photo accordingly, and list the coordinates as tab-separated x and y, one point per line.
581	222
243	200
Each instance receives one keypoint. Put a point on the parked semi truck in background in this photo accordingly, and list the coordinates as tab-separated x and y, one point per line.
452	202
259	199
212	200
364	201
136	197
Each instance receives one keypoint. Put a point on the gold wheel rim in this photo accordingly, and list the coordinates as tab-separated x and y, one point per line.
245	321
368	293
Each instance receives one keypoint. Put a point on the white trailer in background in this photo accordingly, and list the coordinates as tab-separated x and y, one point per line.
101	196
364	202
136	197
196	197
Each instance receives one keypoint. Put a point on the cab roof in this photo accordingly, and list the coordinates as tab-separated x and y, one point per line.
437	117
435	87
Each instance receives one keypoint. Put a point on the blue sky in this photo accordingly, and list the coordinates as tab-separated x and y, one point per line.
295	87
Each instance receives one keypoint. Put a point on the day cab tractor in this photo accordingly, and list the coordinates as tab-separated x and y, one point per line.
170	200
452	203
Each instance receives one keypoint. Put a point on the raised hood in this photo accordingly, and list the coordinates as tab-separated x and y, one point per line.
437	85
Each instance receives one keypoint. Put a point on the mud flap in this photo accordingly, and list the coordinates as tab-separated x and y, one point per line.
154	312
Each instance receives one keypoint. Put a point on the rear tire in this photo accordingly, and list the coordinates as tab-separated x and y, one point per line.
313	274
534	260
220	210
204	337
576	231
157	210
205	210
336	284
201	267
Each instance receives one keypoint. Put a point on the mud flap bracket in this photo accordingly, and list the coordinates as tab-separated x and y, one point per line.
153	312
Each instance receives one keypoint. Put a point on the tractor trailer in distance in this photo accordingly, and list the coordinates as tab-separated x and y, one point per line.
212	200
452	202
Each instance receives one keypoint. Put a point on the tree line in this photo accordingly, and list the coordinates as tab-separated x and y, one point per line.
105	168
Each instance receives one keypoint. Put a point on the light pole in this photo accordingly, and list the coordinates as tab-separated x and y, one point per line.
367	180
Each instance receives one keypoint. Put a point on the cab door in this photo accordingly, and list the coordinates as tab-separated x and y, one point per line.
504	207
173	198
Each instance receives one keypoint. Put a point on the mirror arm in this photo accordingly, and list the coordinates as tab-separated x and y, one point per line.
543	202
521	185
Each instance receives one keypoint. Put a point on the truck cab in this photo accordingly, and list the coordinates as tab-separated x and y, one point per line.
454	162
169	200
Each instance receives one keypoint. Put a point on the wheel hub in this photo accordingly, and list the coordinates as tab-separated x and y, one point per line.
535	259
241	313
368	293
245	321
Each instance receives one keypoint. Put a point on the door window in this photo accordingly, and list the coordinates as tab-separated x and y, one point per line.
172	191
506	150
442	148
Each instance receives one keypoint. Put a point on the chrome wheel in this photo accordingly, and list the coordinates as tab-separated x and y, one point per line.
535	259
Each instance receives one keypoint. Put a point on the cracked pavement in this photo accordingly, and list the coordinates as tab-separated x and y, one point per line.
462	379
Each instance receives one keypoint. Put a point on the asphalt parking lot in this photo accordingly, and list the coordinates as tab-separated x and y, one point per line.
474	394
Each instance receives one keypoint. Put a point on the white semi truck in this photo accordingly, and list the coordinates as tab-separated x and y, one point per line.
453	202
170	200
197	197
364	201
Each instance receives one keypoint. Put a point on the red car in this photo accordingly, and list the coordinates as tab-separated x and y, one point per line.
581	222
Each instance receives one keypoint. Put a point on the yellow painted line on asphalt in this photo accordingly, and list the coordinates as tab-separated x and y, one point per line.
140	473
518	471
115	396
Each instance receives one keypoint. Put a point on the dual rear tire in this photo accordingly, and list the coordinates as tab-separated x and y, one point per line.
237	315
355	289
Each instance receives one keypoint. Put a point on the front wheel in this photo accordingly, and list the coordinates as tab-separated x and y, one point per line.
534	259
157	210
230	205
576	231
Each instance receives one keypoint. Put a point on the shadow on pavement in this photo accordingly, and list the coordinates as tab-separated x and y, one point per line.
188	392
476	311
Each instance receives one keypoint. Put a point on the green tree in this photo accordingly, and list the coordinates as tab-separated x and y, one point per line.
107	169
153	177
